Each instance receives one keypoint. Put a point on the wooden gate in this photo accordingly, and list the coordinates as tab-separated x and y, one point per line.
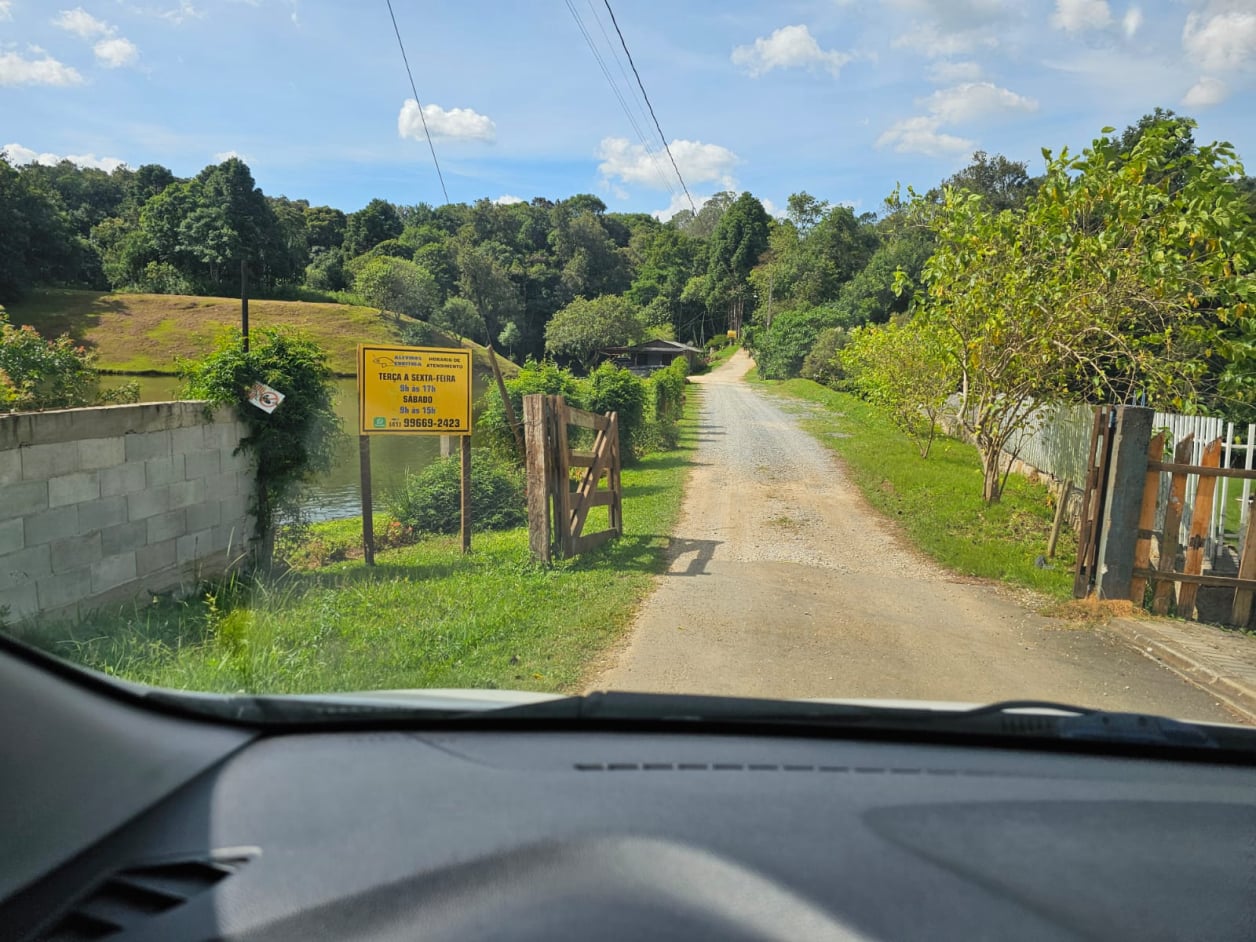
1093	491
558	505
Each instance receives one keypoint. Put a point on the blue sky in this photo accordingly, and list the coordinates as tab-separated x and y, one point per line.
842	98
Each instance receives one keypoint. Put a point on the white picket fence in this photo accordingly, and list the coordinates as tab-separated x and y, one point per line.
1057	441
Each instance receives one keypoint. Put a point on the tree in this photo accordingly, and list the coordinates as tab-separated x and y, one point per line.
585	327
805	211
907	371
1002	183
509	338
484	281
459	317
1110	285
369	226
734	249
393	284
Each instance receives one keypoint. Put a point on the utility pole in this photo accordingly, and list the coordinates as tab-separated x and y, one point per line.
244	302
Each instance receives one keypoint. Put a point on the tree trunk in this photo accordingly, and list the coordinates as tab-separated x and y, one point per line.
991	489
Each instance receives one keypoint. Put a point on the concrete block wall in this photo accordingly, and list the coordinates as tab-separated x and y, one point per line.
106	505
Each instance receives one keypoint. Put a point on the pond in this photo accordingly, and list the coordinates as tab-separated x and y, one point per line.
337	493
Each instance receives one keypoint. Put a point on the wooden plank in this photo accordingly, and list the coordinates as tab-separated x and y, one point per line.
1172	522
1065	493
368	515
600	499
1146	520
615	484
584	419
1081	574
466	494
511	420
1201	526
537	451
1225	582
601	462
1204	471
1241	610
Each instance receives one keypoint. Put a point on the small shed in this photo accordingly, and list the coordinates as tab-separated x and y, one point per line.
644	358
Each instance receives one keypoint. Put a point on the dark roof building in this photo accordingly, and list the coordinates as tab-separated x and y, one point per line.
645	358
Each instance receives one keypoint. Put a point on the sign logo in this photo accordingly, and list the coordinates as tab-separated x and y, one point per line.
380	422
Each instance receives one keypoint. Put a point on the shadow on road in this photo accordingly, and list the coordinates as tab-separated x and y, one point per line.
702	550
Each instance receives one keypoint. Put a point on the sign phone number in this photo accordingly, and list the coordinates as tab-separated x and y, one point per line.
413	390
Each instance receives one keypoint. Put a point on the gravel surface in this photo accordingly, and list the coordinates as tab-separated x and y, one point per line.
783	582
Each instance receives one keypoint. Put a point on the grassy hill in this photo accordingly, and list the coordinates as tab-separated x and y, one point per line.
145	333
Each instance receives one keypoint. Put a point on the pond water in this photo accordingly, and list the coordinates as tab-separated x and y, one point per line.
337	493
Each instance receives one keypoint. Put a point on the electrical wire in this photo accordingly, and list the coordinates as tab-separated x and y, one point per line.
641	85
610	79
426	133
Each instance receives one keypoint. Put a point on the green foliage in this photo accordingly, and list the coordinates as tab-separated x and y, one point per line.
1121	276
48	374
781	348
459	316
290	445
431	500
398	286
612	389
906	371
668	389
585	327
823	363
544	377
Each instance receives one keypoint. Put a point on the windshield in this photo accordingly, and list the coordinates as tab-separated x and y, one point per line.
895	352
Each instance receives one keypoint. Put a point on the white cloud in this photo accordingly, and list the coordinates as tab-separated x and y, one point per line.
82	24
1077	16
116	52
922	135
1207	91
1131	22
1222	42
971	101
507	200
224	155
698	163
956	15
19	155
949	71
953	28
935	44
181	14
790	47
6	9
772	209
15	69
456	123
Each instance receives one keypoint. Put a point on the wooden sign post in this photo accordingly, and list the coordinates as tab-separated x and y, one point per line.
413	391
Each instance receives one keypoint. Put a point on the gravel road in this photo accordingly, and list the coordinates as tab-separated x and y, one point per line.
784	582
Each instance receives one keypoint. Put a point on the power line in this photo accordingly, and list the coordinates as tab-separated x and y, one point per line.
426	133
640	85
588	38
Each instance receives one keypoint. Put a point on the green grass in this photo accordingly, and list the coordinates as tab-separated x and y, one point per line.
723	355
424	616
937	501
147	333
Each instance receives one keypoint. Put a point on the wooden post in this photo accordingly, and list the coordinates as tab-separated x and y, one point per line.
1122	501
1201	526
539	476
1242	609
368	513
466	493
1172	522
562	476
1065	492
511	420
1147	520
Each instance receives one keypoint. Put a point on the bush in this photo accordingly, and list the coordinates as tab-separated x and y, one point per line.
431	500
668	391
545	377
612	389
783	347
822	363
49	374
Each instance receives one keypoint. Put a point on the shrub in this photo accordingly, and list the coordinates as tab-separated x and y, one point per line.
822	364
545	377
612	389
668	391
430	501
49	374
289	445
783	347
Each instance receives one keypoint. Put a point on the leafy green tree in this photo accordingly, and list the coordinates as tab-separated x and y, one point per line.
906	370
1109	285
369	226
485	282
459	317
587	326
324	227
781	348
1002	183
738	241
805	211
509	338
395	285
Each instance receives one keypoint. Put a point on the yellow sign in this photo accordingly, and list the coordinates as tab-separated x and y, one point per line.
414	390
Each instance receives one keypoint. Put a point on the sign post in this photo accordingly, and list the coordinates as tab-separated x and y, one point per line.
414	391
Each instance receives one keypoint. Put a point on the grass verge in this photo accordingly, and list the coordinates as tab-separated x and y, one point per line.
424	616
145	333
937	501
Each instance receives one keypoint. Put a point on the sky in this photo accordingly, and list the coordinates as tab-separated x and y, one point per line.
845	99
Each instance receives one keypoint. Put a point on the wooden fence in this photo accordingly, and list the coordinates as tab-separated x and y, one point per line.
558	505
